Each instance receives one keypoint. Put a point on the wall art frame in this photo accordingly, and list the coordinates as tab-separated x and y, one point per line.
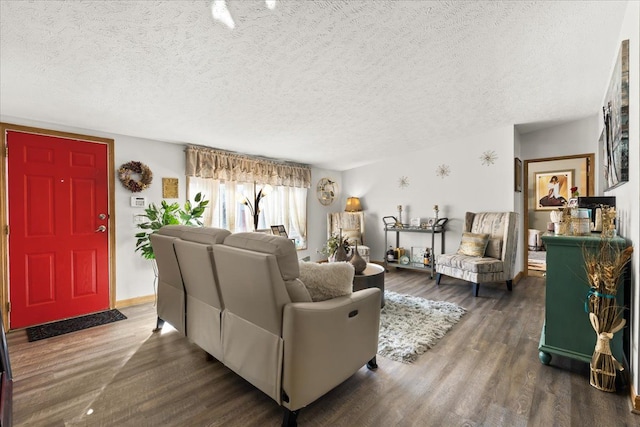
552	189
615	113
517	175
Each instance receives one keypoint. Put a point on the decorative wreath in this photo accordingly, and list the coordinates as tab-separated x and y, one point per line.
146	176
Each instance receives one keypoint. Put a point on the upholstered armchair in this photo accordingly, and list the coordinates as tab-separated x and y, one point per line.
351	224
487	252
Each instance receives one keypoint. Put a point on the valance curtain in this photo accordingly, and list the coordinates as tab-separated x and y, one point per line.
224	166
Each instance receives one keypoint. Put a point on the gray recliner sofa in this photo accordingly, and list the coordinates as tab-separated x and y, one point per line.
270	331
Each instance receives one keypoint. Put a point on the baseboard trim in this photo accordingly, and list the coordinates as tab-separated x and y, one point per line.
518	277
635	401
135	301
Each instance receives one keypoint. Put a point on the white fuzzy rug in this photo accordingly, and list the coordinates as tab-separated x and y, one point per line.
409	325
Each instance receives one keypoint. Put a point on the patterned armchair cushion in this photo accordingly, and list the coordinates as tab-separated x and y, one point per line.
473	264
473	244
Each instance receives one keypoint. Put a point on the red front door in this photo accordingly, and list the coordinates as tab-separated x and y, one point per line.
58	241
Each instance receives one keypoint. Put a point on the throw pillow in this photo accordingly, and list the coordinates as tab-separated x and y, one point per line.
473	244
327	280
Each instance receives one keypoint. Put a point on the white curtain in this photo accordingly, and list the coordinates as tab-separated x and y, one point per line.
283	206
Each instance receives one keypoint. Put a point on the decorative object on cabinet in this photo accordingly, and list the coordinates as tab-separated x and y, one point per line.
438	228
326	191
552	189
134	167
442	171
605	266
488	158
170	188
616	122
498	262
399	223
403	182
517	177
567	300
353	205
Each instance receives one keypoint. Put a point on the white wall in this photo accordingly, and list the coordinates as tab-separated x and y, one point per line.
134	275
628	195
470	186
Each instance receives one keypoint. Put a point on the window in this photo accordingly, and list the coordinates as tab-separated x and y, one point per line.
283	205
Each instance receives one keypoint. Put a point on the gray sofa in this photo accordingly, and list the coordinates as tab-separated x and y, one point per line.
239	297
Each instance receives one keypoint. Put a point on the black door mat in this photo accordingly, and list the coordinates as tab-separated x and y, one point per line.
48	330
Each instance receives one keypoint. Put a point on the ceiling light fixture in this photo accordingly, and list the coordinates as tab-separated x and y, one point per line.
271	4
220	13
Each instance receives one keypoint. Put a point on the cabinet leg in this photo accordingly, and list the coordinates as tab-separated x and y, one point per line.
510	285
544	357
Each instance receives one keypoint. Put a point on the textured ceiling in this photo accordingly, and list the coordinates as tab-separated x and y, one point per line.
330	83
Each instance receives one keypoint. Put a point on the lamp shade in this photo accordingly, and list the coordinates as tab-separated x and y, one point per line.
353	205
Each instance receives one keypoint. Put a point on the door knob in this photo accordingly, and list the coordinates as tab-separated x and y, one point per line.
101	229
102	216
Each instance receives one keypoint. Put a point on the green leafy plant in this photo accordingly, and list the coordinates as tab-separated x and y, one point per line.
168	214
332	245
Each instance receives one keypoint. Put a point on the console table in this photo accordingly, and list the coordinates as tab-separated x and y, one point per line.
438	228
567	331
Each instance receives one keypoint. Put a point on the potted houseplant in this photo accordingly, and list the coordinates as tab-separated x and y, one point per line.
332	245
168	214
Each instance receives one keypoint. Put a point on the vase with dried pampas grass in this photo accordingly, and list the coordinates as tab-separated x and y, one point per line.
605	268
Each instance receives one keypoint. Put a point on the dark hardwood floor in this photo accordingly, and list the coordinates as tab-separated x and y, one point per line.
484	372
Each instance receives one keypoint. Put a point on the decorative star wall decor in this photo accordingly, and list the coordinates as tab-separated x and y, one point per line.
403	182
488	157
442	171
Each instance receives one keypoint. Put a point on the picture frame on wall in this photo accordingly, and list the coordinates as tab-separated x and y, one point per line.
517	171
552	189
615	113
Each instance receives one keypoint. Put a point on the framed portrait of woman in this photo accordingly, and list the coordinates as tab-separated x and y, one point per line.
552	189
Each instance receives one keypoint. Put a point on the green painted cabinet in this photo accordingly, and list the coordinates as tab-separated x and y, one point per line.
566	330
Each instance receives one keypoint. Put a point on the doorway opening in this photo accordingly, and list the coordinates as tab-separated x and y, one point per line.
550	178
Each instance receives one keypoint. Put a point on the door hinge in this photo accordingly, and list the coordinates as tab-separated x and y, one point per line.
6	150
8	306
7	230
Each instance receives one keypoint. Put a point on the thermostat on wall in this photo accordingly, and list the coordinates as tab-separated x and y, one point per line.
138	202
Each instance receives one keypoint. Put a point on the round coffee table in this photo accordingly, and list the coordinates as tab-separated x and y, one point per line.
371	277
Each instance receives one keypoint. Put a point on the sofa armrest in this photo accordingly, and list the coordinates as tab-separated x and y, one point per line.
326	342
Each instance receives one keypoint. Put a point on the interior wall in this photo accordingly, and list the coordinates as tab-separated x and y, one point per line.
469	186
628	194
134	275
538	219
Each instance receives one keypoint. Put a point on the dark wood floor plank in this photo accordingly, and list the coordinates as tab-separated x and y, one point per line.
484	372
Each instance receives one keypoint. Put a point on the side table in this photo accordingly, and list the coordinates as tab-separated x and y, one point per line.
371	277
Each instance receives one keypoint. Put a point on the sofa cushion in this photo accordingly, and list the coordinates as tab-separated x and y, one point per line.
473	244
327	280
282	248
